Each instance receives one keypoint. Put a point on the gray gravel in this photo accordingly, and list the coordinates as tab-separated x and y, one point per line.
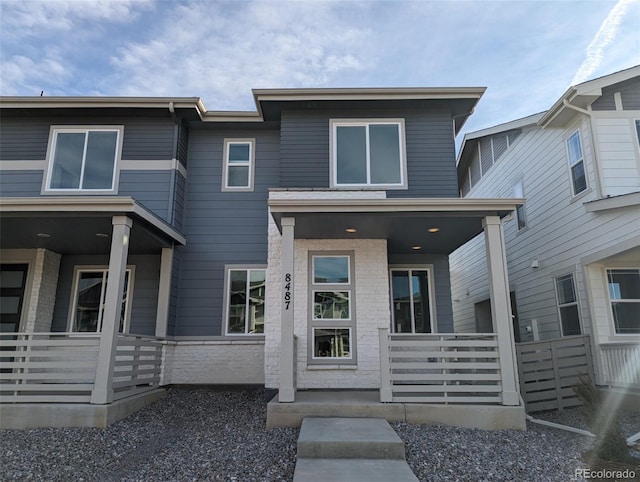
204	434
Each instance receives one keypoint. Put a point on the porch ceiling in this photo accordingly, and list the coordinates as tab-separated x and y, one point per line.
80	228
404	223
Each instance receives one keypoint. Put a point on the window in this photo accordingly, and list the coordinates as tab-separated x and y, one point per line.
332	316
576	163
411	295
244	308
520	217
239	157
624	295
89	299
568	305
368	153
83	159
638	131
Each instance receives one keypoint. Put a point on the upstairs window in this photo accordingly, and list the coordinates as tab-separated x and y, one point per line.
83	159
368	153
239	155
576	163
624	295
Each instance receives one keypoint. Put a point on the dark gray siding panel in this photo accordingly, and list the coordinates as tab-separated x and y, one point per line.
147	140
23	140
429	144
629	92
444	310
221	227
145	290
20	183
149	188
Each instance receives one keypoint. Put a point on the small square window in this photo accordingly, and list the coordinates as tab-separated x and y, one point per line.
331	305
331	270
238	165
332	343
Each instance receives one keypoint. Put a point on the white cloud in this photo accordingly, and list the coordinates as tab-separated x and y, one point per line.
219	51
23	76
605	35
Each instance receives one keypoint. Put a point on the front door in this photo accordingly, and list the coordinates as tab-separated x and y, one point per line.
13	279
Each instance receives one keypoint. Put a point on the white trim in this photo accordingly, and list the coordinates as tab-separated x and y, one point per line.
104	269
621	300
249	164
432	294
247	268
571	165
576	302
84	129
402	152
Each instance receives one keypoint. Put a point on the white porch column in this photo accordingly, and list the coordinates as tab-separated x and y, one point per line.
103	391
501	308
164	292
287	392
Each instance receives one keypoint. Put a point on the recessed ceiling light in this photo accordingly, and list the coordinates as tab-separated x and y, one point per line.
43	235
416	248
433	230
101	235
351	230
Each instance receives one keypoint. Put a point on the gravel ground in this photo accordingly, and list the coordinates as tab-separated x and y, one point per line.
204	434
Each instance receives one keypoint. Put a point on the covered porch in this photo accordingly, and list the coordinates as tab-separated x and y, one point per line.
102	363
431	367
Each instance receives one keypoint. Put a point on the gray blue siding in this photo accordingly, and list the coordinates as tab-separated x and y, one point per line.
221	227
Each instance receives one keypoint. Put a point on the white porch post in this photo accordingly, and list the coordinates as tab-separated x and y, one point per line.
501	308
287	392
103	388
164	292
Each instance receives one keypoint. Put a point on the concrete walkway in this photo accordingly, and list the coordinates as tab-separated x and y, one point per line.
350	450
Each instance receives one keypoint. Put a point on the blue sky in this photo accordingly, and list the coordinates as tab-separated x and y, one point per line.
526	52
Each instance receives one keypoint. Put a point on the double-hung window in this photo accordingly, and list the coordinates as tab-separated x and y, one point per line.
332	317
576	163
83	159
245	297
568	305
89	300
368	153
239	165
624	295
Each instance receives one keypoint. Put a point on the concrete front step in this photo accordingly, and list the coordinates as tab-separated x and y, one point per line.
349	438
352	470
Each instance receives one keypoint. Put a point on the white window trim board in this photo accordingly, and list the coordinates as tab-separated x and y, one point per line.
251	164
334	123
227	294
53	131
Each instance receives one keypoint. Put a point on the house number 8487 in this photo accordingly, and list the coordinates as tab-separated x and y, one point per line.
287	290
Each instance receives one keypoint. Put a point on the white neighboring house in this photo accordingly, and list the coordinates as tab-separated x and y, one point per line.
573	248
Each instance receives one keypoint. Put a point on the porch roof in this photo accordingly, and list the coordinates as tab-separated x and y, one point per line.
403	222
80	225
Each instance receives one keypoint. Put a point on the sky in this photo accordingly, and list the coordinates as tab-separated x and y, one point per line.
526	52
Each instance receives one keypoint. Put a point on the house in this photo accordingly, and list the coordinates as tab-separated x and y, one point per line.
573	247
300	246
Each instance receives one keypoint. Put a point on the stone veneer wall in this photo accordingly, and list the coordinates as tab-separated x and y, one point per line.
43	291
372	303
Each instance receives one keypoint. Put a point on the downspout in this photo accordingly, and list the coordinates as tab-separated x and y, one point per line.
174	166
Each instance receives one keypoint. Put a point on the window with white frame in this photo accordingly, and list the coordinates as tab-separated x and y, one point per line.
245	298
637	122
332	317
87	308
624	296
568	308
368	153
412	300
518	192
239	164
83	158
576	163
